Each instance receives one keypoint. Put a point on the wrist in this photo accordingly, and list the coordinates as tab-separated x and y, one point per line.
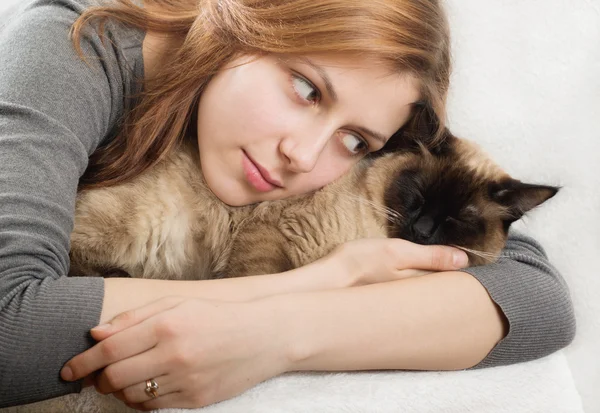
339	270
344	262
327	273
284	330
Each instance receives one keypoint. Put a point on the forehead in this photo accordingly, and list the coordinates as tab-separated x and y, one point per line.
364	72
444	176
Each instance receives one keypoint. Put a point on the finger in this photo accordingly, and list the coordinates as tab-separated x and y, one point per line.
171	400
133	370
89	380
446	258
126	343
429	257
133	317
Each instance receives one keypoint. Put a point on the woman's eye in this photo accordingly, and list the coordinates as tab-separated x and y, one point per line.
354	144
305	89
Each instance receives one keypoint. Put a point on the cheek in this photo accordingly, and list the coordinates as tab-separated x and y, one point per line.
263	117
243	111
328	169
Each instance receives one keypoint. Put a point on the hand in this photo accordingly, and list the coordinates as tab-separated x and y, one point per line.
199	352
374	260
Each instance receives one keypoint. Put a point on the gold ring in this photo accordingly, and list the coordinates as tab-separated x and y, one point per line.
151	388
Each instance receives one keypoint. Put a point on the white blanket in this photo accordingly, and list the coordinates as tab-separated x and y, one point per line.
540	386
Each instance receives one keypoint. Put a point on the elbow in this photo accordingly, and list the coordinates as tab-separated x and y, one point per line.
564	326
542	336
539	315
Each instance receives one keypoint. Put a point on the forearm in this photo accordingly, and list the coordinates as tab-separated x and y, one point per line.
122	294
441	321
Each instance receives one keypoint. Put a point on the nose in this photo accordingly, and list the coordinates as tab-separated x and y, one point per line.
302	152
424	227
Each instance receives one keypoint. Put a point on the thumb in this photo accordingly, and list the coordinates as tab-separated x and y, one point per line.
428	257
132	317
442	258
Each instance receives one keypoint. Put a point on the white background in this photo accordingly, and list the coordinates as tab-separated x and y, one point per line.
526	85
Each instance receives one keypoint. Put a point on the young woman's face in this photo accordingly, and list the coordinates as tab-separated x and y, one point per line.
273	127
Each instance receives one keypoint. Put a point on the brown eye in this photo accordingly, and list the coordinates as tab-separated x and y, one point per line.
354	144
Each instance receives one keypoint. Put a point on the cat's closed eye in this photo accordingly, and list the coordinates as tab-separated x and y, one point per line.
416	203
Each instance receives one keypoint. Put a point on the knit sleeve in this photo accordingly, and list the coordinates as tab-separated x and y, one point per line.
534	298
54	111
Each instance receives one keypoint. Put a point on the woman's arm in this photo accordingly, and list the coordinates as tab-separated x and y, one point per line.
441	321
217	349
437	321
398	259
54	110
125	294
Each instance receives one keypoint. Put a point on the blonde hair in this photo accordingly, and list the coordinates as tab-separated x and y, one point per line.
409	36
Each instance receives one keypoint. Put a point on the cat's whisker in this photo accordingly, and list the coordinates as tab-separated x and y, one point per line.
482	254
388	213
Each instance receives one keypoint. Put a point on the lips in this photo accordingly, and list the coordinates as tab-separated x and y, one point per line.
258	176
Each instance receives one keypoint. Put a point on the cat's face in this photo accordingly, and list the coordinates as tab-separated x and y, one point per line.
457	199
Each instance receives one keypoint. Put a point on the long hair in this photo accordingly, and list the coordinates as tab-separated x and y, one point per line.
408	36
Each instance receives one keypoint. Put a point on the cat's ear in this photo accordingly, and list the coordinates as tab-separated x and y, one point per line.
419	133
519	197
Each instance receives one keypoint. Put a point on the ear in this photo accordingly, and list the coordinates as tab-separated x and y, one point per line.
519	197
418	132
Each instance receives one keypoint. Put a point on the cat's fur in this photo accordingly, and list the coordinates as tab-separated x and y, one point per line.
167	223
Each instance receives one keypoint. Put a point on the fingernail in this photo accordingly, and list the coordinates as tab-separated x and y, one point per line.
66	373
460	259
102	327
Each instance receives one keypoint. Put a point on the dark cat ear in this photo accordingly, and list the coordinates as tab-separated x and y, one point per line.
420	131
520	197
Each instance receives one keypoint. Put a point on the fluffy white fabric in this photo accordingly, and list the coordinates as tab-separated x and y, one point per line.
540	386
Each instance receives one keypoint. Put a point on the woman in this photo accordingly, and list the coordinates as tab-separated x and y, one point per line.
283	98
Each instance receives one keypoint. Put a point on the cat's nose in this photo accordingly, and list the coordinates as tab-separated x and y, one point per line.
424	226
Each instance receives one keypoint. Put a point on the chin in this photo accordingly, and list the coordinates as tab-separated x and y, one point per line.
228	194
233	198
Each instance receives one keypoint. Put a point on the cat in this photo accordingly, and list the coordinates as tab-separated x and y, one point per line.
167	224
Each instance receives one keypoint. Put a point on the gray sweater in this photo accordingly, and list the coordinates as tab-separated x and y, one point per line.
54	112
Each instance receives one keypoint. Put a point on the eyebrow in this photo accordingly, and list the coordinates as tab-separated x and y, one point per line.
331	91
376	135
321	72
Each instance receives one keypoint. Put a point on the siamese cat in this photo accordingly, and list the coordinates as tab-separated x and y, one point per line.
166	223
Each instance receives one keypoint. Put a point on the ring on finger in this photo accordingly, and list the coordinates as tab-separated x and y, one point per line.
151	388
